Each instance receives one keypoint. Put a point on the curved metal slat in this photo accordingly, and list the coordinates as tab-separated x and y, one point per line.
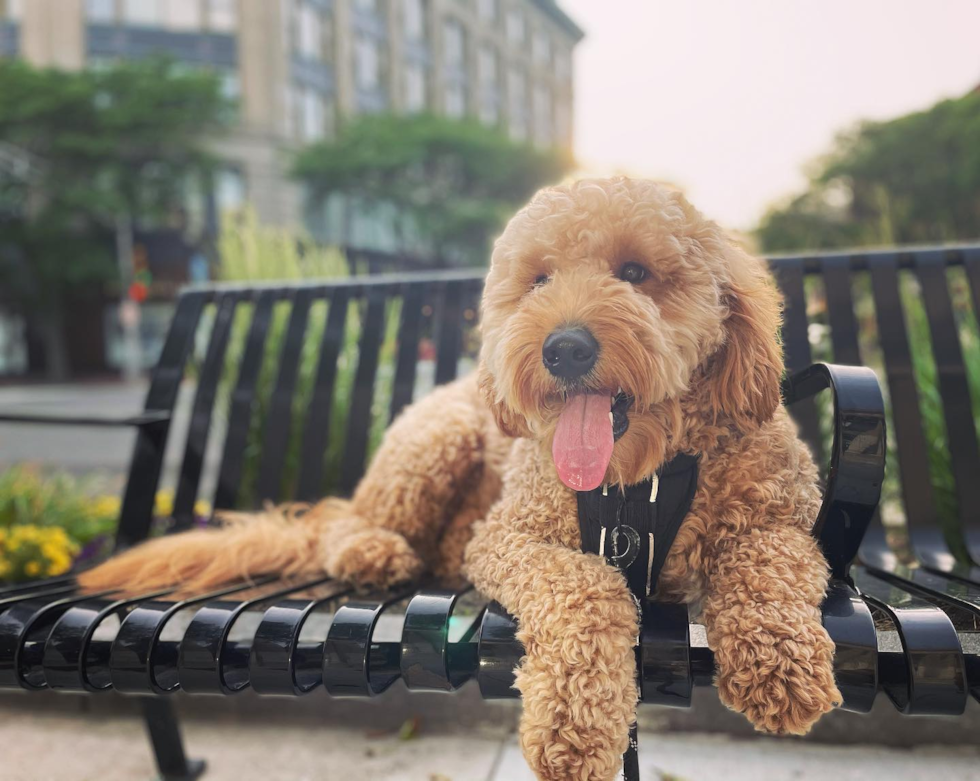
24	627
278	663
499	653
666	677
68	661
354	665
207	662
449	340
851	626
428	660
929	676
138	662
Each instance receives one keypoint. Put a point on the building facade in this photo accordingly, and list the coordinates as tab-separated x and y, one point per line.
296	66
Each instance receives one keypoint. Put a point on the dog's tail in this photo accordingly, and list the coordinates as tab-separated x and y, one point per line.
283	541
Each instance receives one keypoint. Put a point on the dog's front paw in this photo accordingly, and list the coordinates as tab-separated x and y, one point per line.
371	559
782	685
579	691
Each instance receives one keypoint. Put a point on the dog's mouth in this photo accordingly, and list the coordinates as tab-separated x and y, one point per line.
587	429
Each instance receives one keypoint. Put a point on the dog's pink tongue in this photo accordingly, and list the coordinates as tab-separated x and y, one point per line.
583	441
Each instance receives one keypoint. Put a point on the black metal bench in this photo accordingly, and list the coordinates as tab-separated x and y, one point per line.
291	638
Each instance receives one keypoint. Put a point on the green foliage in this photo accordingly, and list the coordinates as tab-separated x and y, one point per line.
456	182
914	179
45	522
103	144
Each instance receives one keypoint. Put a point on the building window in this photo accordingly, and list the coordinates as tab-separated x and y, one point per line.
222	15
415	88
367	63
311	114
184	14
309	32
487	10
414	19
229	190
517	104
541	48
453	46
142	12
98	11
489	112
542	116
515	27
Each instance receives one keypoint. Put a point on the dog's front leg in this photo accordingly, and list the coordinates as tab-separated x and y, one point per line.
762	611
578	623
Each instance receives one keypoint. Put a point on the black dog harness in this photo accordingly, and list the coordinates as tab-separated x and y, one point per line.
634	528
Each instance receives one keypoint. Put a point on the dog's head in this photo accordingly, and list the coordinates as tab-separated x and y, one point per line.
613	312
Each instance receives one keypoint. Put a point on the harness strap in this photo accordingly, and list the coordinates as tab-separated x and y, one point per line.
635	527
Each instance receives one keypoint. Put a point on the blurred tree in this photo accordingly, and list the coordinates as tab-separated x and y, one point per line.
456	182
106	148
915	179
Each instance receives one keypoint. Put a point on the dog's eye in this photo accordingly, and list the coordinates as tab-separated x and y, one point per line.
633	273
541	279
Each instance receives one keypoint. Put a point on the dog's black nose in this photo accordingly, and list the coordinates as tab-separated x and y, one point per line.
570	353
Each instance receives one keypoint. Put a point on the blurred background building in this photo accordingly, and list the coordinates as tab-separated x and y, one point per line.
297	66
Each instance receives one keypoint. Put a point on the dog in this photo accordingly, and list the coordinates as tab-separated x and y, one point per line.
621	330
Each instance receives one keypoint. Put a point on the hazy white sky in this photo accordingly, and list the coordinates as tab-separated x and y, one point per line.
731	98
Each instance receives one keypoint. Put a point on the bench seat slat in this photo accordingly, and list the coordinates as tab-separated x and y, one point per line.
930	676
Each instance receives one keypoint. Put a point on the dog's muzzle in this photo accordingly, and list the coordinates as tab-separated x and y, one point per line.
570	354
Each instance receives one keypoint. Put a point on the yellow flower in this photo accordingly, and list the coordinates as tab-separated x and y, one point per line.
164	503
106	506
32	568
202	508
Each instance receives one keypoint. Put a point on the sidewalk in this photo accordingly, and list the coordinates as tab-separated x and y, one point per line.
457	738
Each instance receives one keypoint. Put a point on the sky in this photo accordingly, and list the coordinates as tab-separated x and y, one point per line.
732	99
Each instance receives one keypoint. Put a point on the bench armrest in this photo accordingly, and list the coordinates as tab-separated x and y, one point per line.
857	459
139	420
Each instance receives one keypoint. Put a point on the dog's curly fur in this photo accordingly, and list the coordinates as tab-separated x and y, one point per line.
696	344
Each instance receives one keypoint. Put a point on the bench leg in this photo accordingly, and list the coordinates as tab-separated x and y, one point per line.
168	747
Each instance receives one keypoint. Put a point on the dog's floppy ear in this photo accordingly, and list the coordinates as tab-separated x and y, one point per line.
744	379
511	424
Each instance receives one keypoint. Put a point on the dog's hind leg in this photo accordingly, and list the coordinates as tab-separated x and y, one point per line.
429	477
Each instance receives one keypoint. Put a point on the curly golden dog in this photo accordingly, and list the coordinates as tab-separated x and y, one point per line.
620	329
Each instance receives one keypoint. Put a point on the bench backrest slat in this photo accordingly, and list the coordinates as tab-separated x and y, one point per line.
448	321
961	435
201	412
362	396
278	421
316	430
409	330
796	345
920	503
840	310
241	402
147	462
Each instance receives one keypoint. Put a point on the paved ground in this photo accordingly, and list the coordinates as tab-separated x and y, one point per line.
458	738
